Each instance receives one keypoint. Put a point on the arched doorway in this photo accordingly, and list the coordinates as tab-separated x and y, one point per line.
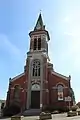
35	96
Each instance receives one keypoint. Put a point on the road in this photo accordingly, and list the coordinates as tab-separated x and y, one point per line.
54	117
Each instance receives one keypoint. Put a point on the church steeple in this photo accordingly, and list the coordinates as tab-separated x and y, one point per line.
39	24
39	37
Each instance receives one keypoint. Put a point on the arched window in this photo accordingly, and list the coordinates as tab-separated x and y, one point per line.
60	92
37	44
16	92
36	68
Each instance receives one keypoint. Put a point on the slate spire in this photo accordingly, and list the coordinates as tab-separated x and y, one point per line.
39	24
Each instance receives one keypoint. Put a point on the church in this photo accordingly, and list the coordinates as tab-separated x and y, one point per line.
39	86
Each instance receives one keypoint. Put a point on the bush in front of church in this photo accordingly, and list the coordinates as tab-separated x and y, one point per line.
11	110
55	108
74	108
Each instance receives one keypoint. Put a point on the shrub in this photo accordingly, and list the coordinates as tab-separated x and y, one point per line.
11	110
55	108
78	104
74	108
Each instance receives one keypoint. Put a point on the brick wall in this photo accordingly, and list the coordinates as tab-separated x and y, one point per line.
22	81
53	80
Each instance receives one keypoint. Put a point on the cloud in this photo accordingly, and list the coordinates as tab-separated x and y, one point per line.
8	47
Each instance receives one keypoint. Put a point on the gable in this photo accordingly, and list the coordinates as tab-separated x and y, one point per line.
59	75
17	77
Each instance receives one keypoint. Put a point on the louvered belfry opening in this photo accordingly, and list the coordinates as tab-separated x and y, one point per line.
39	43
35	44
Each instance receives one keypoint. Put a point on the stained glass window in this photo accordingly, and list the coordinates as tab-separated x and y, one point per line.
36	68
60	92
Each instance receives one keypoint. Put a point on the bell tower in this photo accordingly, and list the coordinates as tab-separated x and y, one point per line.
37	64
39	37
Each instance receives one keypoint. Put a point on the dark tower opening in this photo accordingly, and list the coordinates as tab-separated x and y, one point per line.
35	44
39	43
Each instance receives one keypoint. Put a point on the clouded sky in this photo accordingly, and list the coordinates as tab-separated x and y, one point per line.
62	20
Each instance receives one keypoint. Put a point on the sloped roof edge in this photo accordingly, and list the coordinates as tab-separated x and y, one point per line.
60	75
18	76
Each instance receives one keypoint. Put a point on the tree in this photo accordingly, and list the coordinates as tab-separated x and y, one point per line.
72	94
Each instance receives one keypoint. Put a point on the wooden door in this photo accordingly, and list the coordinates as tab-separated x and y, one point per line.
35	99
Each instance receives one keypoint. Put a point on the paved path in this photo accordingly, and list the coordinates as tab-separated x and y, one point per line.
54	117
64	117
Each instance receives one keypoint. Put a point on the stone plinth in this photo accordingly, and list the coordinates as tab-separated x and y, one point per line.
16	117
78	111
44	116
72	113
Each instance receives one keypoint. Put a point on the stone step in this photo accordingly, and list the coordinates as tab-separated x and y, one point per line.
31	112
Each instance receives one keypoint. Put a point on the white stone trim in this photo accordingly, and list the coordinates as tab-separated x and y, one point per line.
13	79
60	83
45	81
35	87
47	90
59	75
35	54
55	87
12	88
21	88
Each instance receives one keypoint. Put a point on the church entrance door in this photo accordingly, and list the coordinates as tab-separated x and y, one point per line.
35	99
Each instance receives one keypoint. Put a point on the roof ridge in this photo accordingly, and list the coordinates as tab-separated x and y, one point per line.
60	75
17	76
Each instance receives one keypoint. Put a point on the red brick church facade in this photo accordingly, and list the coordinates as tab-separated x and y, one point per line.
39	86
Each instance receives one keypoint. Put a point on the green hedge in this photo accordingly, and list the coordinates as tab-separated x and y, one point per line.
11	110
52	108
